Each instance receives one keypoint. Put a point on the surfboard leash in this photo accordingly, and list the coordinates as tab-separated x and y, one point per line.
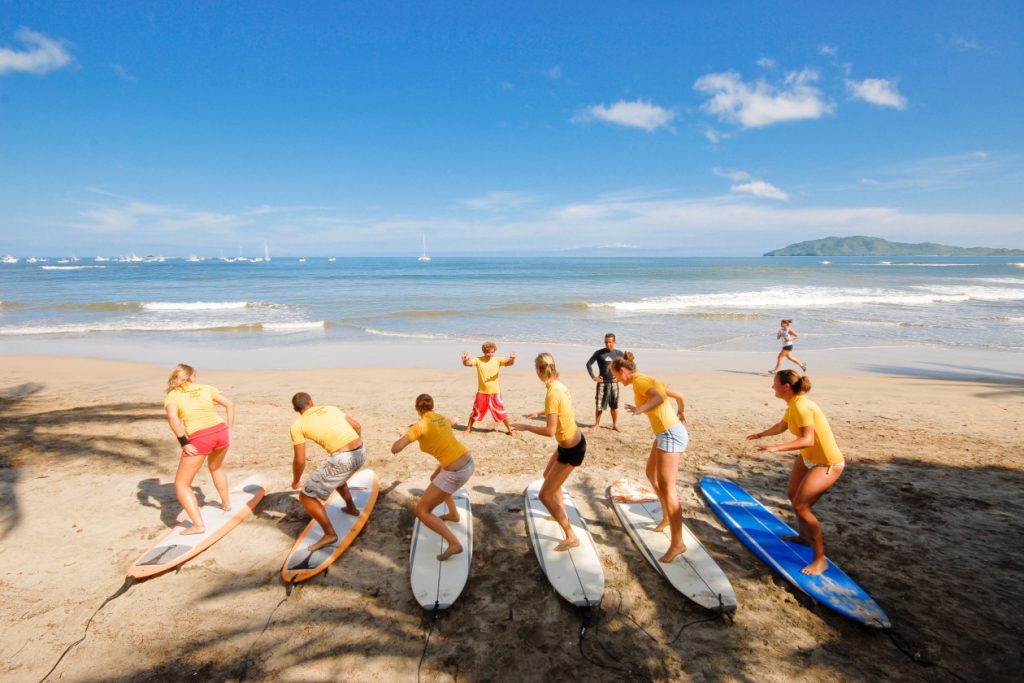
916	656
128	583
587	615
434	614
245	660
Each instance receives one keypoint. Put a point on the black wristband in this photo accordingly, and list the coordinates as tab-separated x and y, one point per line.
183	440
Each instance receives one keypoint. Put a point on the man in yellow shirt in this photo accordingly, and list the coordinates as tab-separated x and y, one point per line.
341	437
488	395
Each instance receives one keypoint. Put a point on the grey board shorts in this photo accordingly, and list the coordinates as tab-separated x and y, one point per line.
334	472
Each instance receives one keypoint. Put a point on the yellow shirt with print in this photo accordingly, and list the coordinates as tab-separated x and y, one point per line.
662	418
487	373
803	412
559	400
325	425
435	437
196	408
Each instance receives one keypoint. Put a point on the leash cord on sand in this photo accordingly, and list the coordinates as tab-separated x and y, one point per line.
245	660
584	627
128	582
918	659
433	620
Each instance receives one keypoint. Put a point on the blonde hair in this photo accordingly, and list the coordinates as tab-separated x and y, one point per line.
545	365
180	375
625	362
488	346
424	403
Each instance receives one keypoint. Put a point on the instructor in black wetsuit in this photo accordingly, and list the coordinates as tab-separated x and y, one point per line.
607	386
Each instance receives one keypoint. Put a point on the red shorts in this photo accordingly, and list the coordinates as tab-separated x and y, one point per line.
209	440
488	402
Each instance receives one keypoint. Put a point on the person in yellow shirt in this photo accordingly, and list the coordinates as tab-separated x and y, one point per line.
571	445
816	468
341	437
488	395
455	467
670	441
194	420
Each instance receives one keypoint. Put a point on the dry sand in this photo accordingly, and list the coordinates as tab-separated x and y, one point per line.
928	518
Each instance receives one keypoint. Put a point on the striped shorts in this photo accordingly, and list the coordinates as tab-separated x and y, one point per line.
607	396
334	472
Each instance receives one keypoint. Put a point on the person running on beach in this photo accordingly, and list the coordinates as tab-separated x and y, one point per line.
817	466
341	437
455	467
670	441
488	395
607	393
193	417
571	445
788	335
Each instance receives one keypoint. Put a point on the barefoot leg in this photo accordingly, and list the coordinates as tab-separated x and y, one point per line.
317	511
188	466
666	471
215	463
425	512
817	481
652	478
551	496
350	505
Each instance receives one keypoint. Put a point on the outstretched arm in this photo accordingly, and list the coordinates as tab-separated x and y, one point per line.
399	445
654	399
547	430
510	360
805	440
466	360
776	428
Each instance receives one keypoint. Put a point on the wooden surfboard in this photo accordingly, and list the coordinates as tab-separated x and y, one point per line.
760	530
694	573
301	564
436	584
576	574
172	549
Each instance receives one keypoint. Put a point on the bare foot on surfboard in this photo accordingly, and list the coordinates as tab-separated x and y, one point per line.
673	553
323	543
449	551
567	544
226	507
193	530
452	517
815	568
791	538
351	510
662	525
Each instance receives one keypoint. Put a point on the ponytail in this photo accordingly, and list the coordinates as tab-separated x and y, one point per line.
626	362
800	384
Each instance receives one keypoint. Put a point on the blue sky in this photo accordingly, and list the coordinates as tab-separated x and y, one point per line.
353	128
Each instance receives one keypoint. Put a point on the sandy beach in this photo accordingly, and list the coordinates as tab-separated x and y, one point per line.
927	517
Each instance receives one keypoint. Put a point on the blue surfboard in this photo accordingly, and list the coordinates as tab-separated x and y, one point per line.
760	530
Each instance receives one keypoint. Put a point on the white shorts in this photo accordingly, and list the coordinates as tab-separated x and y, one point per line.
451	481
672	440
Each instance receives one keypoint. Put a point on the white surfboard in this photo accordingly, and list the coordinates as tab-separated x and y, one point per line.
694	573
301	564
173	549
436	584
576	574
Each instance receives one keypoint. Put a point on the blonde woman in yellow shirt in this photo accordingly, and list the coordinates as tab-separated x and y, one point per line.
192	415
670	441
818	465
572	446
455	467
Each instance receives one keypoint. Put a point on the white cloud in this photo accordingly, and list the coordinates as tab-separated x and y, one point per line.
124	75
766	63
554	73
962	44
760	188
638	114
42	54
946	172
755	105
131	215
828	50
880	91
498	201
731	174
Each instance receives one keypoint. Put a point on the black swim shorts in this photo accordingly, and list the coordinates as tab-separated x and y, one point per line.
573	456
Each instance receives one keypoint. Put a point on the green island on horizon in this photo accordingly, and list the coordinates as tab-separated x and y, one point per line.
860	245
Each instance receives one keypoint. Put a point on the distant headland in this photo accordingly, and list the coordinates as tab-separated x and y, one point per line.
876	246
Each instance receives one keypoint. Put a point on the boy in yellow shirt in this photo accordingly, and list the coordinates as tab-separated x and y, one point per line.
488	395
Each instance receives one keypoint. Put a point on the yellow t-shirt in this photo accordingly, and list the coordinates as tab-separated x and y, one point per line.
325	425
196	408
434	433
487	373
663	417
803	412
559	400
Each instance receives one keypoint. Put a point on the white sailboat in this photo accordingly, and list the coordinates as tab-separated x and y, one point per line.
424	257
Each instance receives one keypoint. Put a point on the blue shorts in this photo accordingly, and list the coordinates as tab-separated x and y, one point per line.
672	440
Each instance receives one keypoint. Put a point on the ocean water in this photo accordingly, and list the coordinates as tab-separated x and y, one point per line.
668	303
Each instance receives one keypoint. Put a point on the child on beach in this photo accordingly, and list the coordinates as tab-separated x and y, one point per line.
488	395
816	468
455	467
193	418
670	441
788	335
341	437
571	445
